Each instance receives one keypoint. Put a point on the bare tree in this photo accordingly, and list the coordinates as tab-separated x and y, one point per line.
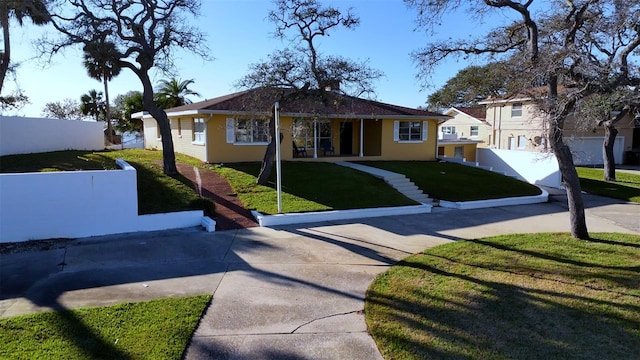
145	34
301	69
68	109
586	44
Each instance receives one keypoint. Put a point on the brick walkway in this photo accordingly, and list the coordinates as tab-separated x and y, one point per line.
230	213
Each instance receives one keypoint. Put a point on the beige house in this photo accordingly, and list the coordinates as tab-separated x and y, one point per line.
516	124
328	127
466	130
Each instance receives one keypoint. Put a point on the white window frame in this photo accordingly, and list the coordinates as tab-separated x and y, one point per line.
421	131
522	142
237	128
448	129
516	110
474	130
198	135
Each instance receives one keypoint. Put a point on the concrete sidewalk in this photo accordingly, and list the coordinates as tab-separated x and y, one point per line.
295	292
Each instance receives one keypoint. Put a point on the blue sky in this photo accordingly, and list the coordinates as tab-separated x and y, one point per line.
238	34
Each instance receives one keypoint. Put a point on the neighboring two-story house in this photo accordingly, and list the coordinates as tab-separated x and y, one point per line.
516	124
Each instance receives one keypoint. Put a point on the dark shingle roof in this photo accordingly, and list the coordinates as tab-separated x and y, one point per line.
313	102
478	112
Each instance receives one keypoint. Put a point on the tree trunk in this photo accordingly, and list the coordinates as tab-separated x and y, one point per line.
6	54
556	117
610	133
270	153
168	154
571	183
107	109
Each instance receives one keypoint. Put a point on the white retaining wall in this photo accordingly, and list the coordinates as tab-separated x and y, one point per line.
22	135
532	167
78	204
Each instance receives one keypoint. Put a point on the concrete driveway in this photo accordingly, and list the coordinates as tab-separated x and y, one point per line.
295	292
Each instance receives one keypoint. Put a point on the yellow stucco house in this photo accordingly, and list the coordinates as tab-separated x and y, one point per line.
327	127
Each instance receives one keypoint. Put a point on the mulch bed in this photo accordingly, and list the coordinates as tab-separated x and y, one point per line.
230	212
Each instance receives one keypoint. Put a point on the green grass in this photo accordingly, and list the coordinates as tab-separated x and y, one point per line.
455	182
158	329
535	296
157	192
626	187
308	186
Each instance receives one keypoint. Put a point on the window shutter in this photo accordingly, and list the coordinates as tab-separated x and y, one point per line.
396	130
231	131
425	130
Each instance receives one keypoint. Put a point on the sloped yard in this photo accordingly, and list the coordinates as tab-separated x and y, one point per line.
455	182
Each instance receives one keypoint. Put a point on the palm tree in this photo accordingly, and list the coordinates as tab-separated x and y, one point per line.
172	93
101	59
35	10
92	104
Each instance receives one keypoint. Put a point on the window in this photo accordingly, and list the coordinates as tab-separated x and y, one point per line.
410	130
247	131
448	129
474	131
522	142
516	110
179	127
458	152
198	130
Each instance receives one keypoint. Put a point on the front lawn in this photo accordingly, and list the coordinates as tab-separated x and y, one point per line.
536	296
627	186
158	329
455	182
311	186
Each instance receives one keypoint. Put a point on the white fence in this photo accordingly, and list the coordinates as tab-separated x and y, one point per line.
532	167
22	135
78	204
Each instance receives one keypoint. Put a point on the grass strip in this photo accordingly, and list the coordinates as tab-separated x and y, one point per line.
158	329
626	187
532	296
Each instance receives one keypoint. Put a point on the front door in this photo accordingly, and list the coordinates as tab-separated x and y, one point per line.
346	138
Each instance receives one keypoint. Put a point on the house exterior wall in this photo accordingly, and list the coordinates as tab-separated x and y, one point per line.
463	124
151	134
183	139
378	135
468	150
395	150
507	130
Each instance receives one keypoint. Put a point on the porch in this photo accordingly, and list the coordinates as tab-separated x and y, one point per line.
336	139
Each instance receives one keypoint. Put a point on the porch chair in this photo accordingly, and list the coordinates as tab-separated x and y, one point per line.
298	151
327	148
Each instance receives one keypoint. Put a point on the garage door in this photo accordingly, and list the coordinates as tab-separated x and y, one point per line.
588	150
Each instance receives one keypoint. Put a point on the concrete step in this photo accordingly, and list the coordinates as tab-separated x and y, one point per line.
412	193
404	187
401	180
